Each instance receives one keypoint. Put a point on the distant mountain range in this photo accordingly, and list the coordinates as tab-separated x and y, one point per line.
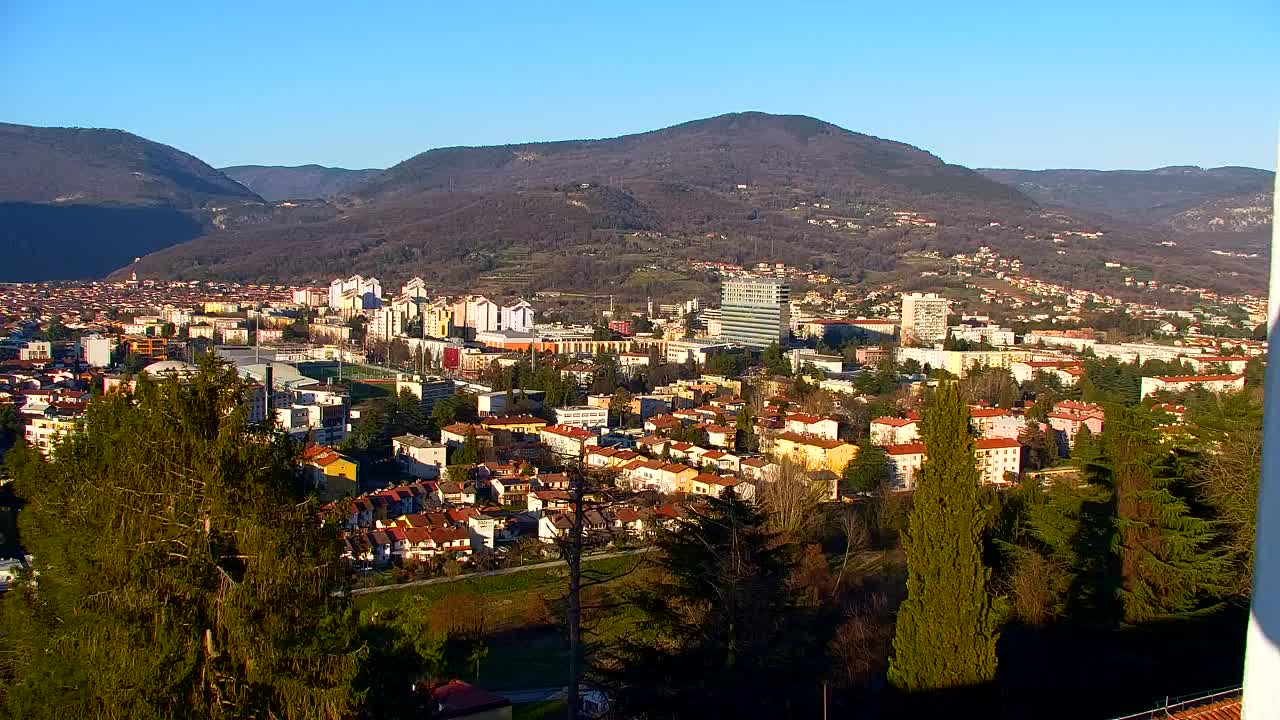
622	215
306	182
1189	199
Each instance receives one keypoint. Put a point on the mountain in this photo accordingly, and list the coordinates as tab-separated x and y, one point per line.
1158	198
626	214
79	203
276	182
753	149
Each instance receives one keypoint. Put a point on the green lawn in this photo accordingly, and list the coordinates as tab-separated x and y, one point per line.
545	710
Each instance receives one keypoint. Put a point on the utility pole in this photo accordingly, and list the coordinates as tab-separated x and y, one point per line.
574	561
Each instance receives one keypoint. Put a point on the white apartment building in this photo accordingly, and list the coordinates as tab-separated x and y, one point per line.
368	290
894	431
419	456
43	433
1180	383
589	417
755	312
36	350
95	350
924	317
517	316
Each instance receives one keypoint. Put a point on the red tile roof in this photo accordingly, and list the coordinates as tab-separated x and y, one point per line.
995	443
905	449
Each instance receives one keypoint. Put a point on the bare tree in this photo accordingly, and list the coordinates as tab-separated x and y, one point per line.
792	498
856	538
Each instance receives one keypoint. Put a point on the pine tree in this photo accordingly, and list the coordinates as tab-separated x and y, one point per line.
724	632
946	629
179	568
1168	561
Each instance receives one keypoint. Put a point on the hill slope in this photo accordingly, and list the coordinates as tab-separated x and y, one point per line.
92	166
585	214
308	182
1152	197
79	203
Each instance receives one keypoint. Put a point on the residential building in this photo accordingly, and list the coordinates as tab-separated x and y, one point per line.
999	459
354	294
517	317
333	473
419	456
996	422
428	389
814	452
567	442
1069	416
1066	371
924	317
905	460
95	351
583	416
960	362
755	312
1181	383
36	350
894	431
495	403
150	348
43	432
805	358
816	425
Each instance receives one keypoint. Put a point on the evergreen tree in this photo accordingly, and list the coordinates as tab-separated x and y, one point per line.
725	633
867	471
774	361
1168	560
179	569
469	453
946	630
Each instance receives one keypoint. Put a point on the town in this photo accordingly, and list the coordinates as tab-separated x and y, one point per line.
447	427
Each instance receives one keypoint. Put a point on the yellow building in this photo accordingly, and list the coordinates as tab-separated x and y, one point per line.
439	319
960	362
45	432
814	452
333	473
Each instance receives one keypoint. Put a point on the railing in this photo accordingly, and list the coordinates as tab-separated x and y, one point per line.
1185	702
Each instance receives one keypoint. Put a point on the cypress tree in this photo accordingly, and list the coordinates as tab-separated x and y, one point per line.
946	629
179	571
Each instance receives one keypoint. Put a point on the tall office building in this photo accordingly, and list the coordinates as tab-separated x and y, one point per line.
755	312
924	317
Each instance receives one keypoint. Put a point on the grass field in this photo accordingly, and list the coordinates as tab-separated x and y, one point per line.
527	647
545	710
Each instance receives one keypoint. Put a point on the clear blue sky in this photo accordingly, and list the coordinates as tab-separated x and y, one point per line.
1077	83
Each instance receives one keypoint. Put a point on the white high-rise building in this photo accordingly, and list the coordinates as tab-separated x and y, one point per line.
95	350
755	312
924	317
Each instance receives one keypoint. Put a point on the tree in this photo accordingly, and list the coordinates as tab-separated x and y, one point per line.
1227	472
469	453
1168	561
946	630
792	498
725	632
866	472
774	361
181	570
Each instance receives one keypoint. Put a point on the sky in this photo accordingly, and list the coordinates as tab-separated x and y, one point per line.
1115	84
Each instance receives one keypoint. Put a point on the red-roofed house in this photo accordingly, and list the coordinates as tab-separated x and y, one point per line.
566	441
1180	383
894	431
823	427
995	422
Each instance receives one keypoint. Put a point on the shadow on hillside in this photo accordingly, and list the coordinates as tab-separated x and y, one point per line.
69	242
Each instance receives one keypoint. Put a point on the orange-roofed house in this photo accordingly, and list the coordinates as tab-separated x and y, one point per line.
335	474
814	452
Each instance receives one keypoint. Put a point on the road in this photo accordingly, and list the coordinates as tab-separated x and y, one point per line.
492	573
